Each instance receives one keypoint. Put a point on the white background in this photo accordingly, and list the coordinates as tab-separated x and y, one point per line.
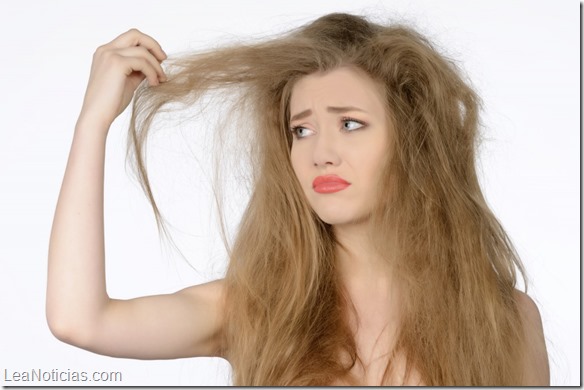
523	58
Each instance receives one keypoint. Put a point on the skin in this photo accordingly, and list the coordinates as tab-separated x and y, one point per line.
79	311
351	143
189	322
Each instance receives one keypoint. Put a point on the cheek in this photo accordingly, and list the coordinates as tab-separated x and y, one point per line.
296	162
302	172
374	164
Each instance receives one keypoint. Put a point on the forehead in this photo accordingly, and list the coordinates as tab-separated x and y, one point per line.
340	87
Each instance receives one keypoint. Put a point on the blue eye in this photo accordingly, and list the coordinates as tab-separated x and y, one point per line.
300	132
350	124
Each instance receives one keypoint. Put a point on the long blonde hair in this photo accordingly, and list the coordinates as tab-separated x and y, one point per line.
285	319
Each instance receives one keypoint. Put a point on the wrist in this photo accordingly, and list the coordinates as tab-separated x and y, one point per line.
92	124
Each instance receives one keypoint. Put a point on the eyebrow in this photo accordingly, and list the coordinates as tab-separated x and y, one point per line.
336	110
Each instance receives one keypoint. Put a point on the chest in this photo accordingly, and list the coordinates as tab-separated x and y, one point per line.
375	325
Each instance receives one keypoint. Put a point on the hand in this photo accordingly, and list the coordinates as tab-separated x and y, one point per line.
118	68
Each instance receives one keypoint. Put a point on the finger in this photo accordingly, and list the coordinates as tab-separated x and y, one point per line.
137	64
141	52
134	37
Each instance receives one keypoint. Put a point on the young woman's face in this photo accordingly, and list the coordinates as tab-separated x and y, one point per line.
341	138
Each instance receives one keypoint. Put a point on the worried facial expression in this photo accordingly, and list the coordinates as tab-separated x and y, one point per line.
340	142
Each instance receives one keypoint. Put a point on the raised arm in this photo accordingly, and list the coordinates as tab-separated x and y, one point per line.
79	311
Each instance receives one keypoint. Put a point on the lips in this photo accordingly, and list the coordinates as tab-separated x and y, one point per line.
328	184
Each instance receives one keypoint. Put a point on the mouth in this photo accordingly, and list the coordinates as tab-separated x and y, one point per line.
328	184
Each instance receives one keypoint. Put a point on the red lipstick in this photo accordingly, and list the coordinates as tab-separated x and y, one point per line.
327	184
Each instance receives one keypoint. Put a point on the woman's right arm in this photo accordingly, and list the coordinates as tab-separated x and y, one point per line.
79	311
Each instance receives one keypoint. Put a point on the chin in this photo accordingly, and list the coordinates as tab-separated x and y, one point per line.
341	218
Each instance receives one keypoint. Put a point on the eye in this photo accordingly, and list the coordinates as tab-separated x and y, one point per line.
350	124
300	132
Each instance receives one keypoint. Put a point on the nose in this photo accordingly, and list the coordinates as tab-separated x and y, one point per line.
326	149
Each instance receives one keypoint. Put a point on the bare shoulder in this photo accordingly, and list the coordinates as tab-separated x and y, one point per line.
537	371
206	302
208	298
212	291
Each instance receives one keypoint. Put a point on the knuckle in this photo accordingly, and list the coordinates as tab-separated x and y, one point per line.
110	59
99	51
142	50
107	54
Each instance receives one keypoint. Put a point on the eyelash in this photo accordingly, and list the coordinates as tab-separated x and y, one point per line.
349	119
344	119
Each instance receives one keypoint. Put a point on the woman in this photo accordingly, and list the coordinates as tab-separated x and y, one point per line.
367	253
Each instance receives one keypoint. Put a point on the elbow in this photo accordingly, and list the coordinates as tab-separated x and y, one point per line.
69	330
73	322
62	329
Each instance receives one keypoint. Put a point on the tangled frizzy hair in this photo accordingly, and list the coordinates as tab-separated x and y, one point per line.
285	316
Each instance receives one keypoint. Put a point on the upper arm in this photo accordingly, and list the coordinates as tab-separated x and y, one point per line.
536	367
183	324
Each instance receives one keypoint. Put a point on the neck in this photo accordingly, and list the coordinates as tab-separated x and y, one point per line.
373	297
356	256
